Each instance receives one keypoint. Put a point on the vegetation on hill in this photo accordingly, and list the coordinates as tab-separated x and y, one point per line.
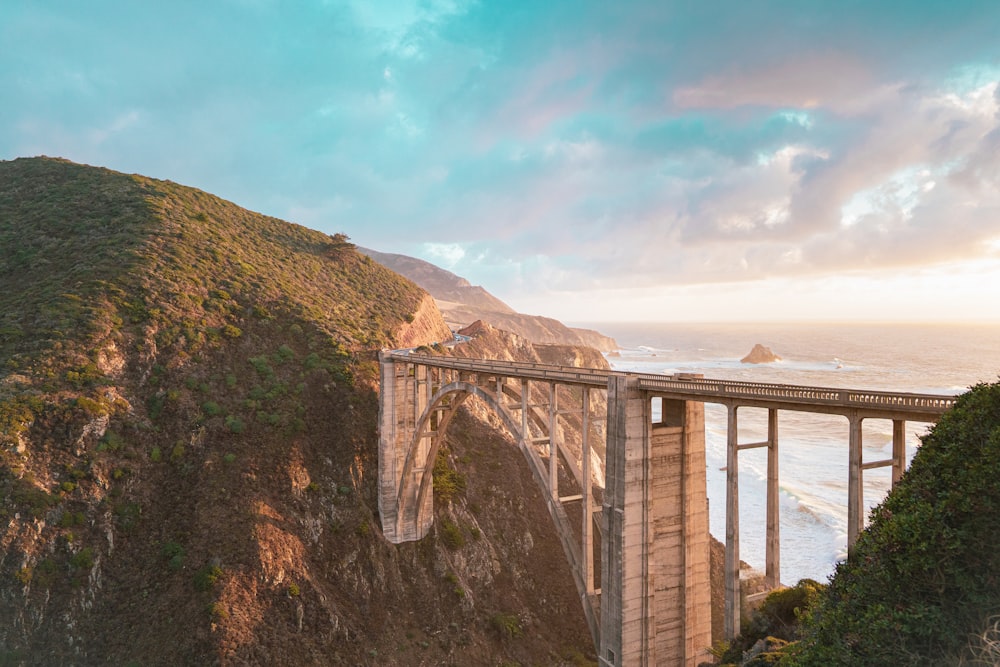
188	467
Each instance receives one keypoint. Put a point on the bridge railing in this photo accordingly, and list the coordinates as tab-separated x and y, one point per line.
923	404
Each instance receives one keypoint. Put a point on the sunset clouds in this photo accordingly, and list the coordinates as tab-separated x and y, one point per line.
620	149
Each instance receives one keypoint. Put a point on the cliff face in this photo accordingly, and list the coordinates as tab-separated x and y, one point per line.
188	451
462	304
423	327
445	286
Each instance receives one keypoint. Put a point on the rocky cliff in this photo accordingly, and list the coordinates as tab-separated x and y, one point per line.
462	304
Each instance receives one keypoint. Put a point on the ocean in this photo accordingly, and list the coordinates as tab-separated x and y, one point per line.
945	359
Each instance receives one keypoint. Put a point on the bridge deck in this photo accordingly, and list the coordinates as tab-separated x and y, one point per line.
876	404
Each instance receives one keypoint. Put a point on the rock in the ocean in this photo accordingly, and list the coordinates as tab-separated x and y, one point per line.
760	354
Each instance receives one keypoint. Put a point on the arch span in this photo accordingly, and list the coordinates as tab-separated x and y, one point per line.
408	513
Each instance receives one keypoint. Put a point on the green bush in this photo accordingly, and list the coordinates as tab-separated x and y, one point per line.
211	408
205	578
230	331
235	424
451	534
778	620
83	559
127	515
91	407
174	553
448	482
923	577
507	625
110	441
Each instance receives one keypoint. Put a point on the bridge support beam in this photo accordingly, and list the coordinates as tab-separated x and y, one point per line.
655	593
898	449
772	569
855	486
732	560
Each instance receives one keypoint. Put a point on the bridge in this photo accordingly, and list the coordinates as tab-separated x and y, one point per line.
627	494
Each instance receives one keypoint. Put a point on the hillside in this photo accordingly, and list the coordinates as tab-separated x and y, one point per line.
461	304
441	284
188	449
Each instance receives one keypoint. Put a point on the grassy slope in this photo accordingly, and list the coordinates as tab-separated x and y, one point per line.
187	431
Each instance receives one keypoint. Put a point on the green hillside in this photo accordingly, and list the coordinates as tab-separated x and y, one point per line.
188	468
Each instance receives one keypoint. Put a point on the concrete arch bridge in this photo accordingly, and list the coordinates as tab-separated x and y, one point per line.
638	547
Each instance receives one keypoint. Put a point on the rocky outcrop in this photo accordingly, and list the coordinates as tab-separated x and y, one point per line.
462	304
760	354
424	327
537	329
444	285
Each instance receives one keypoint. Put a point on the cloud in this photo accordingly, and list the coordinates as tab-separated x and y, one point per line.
816	80
577	143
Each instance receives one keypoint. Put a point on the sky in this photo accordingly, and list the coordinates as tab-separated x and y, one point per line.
590	161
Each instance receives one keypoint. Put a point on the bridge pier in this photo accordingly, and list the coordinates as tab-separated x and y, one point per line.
772	554
655	592
857	466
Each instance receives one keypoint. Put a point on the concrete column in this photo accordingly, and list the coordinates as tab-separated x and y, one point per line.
388	481
587	520
697	568
423	517
624	616
855	489
655	599
732	565
553	443
773	549
525	432
898	449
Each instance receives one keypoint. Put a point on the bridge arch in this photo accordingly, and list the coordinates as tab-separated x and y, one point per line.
419	486
412	437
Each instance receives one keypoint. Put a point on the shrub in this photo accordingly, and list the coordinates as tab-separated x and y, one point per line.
235	424
451	534
110	441
174	553
155	455
83	559
70	519
923	577
777	620
448	482
293	590
91	407
217	611
230	331
127	515
211	408
507	625
206	577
